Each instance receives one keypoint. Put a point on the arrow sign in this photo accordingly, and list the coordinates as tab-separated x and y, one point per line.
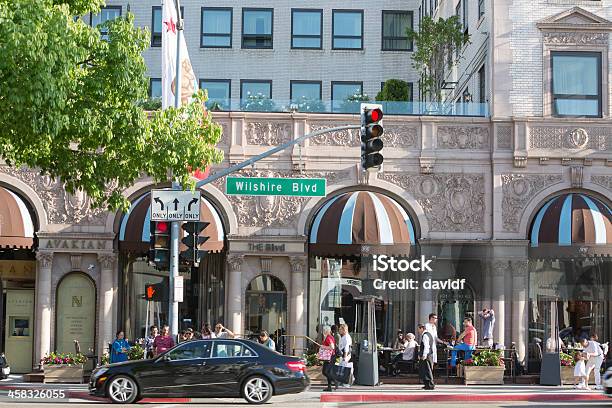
160	202
176	203
192	202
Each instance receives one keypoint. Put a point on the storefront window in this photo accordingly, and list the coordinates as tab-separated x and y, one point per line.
266	306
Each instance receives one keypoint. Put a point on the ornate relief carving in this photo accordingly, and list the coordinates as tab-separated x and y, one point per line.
298	264
400	136
75	262
519	267
349	137
463	137
452	202
225	135
504	137
604	181
575	38
235	262
596	138
107	260
576	176
61	206
267	133
518	190
45	259
520	161
499	267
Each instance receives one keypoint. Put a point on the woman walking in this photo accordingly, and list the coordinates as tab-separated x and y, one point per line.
328	363
163	342
120	348
346	343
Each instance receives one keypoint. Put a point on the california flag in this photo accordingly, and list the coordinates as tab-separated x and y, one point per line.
188	82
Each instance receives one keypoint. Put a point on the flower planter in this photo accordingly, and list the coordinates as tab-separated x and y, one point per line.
567	375
63	373
315	373
484	375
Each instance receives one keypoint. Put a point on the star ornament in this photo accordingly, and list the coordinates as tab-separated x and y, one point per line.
170	26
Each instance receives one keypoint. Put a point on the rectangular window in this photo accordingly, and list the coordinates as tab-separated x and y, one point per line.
395	28
156	26
481	9
155	88
347	28
576	84
216	27
465	16
219	91
250	87
257	27
341	91
310	90
105	14
306	28
481	85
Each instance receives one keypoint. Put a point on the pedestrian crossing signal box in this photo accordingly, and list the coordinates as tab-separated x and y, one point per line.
157	292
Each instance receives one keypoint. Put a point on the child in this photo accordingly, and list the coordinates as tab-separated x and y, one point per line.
580	371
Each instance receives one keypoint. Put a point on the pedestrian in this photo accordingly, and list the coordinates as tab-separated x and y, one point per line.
163	342
345	346
580	371
594	353
187	334
120	348
222	332
465	342
398	344
153	333
206	332
426	357
328	344
432	329
5	369
265	339
334	332
488	322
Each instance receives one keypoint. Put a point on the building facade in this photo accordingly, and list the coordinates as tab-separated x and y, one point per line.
517	204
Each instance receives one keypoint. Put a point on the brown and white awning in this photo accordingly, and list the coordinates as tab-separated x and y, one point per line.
16	225
135	228
361	222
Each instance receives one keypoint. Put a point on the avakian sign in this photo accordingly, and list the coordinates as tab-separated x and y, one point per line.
275	186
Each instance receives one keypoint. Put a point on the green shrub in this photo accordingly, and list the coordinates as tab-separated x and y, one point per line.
394	90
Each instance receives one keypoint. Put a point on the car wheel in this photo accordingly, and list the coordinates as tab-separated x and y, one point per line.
122	390
257	390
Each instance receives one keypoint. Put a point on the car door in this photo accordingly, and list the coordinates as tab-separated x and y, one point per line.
222	371
178	372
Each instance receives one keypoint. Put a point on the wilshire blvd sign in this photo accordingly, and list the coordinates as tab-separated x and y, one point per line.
275	186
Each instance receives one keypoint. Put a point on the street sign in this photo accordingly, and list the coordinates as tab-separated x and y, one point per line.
172	205
275	186
178	288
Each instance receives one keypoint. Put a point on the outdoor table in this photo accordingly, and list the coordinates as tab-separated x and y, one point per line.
387	357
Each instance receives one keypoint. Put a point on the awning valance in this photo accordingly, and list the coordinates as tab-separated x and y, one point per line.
135	229
361	222
16	225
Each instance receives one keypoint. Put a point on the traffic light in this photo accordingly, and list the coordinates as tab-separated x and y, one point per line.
159	253
157	292
193	240
371	131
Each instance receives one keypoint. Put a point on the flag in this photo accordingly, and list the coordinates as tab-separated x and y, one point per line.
188	79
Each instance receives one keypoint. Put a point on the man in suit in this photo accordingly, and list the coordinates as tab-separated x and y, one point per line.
426	357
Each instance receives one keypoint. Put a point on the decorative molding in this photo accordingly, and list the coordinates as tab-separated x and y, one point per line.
520	161
548	137
500	267
402	136
107	260
451	202
427	164
235	262
298	264
519	268
576	175
61	206
225	135
463	137
45	259
575	38
75	262
604	181
504	137
518	190
268	133
347	137
266	265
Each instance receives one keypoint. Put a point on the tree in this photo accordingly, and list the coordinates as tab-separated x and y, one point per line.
394	90
70	104
435	44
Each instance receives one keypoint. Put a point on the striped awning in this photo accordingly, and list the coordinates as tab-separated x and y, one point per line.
573	220
16	225
361	222
135	228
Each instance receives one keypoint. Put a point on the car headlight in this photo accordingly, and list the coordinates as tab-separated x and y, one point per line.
98	372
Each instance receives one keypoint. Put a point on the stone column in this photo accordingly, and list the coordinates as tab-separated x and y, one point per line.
518	269
499	269
425	299
234	293
297	299
42	341
106	318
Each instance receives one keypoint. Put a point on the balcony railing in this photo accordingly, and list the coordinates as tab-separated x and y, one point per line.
319	106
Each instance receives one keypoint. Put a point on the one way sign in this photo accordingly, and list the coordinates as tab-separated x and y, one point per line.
172	205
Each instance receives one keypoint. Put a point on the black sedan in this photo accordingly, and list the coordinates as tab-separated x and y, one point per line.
203	368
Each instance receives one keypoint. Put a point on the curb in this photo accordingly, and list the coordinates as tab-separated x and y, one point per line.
432	397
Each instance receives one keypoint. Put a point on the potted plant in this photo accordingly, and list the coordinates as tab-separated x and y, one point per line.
352	103
486	367
313	366
136	352
258	103
63	367
567	368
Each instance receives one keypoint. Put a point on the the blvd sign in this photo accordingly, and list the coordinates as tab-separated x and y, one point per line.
275	186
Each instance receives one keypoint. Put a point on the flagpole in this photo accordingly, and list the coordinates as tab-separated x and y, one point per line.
173	317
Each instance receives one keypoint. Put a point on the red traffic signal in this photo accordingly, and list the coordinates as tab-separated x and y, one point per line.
371	131
373	115
161	227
